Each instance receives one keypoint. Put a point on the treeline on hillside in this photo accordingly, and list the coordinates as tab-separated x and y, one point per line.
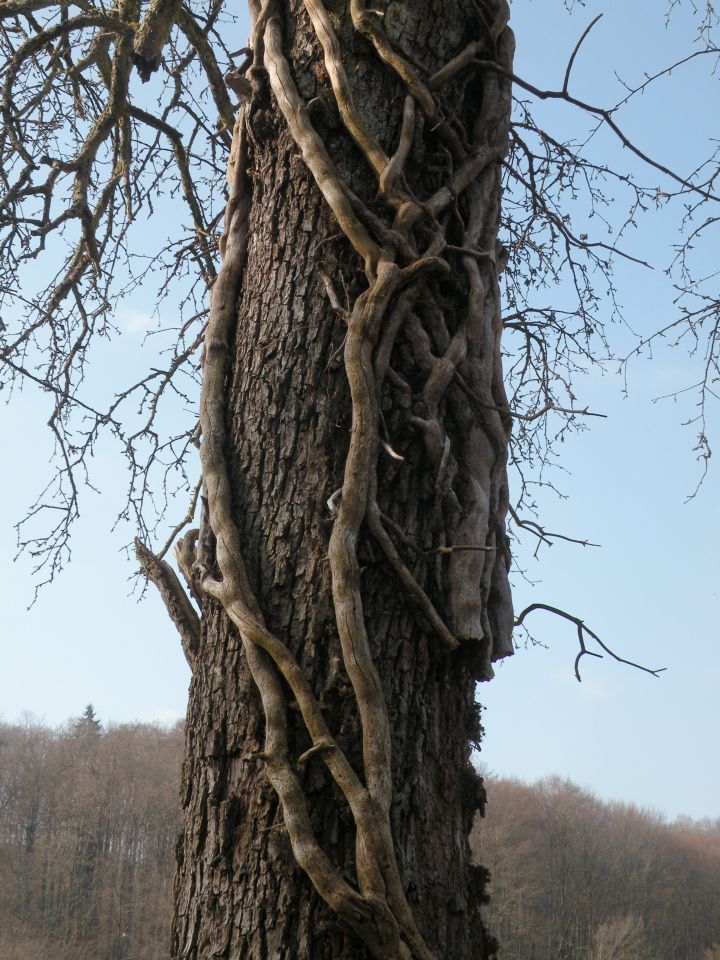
574	878
89	816
88	820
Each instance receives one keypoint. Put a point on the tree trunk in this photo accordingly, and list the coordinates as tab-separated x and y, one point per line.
441	483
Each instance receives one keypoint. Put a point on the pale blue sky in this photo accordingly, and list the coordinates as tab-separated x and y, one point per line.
651	591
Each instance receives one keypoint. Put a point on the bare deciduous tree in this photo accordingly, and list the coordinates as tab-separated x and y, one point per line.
348	583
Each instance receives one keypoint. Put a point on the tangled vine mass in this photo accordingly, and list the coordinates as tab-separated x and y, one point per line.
402	258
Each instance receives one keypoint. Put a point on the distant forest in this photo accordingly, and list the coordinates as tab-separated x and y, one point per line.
89	816
88	821
574	878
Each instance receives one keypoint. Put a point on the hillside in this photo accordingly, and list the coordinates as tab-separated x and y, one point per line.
88	819
574	877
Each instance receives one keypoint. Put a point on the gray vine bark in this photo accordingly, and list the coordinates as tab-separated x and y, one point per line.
332	368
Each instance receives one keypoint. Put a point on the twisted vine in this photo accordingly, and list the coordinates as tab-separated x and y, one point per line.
404	260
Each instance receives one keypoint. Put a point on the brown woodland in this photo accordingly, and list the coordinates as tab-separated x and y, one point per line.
89	818
88	822
576	877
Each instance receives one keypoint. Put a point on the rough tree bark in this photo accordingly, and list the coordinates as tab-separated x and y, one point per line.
355	431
